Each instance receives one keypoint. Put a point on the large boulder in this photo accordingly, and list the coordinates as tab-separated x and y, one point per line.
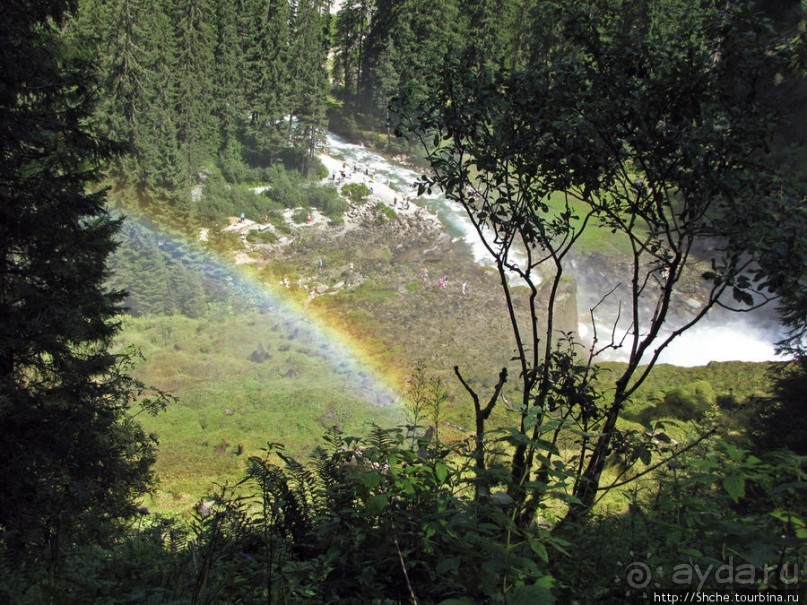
260	354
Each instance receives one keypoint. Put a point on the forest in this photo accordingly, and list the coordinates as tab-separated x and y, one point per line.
228	374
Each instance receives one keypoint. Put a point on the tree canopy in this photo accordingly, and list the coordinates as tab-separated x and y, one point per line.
648	121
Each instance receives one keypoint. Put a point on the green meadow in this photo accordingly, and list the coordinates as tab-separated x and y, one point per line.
228	407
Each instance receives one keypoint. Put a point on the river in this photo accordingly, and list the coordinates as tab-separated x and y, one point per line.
718	337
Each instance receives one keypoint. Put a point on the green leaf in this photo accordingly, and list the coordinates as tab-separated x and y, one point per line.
405	485
370	480
536	594
539	549
440	471
448	564
735	486
789	517
375	504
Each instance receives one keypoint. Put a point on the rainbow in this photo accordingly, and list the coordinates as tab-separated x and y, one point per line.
349	358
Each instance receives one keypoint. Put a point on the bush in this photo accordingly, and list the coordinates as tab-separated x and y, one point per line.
690	402
717	509
370	520
285	187
387	213
221	199
318	170
300	216
278	220
327	200
261	237
356	192
342	122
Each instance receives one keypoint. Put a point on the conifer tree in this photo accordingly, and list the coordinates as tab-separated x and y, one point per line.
267	79
352	25
415	36
229	108
195	72
72	457
117	29
135	45
308	79
493	29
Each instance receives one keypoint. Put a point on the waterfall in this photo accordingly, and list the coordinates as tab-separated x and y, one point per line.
720	336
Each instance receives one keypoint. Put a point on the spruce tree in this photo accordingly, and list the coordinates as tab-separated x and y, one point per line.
230	108
308	80
73	459
135	45
410	40
267	82
195	76
352	25
158	152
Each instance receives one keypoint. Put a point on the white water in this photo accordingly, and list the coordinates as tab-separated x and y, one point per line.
732	337
402	180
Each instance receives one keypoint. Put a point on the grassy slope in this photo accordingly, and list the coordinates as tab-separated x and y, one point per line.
229	407
205	364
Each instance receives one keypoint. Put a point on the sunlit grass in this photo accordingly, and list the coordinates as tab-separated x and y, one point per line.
229	407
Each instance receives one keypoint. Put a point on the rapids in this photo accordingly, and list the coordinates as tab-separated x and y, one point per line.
721	336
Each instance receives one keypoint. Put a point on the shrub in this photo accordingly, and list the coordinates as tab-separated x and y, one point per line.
327	200
278	220
300	215
690	402
261	237
386	213
221	199
286	187
380	519
356	192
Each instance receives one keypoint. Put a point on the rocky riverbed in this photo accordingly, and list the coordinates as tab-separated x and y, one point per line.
397	278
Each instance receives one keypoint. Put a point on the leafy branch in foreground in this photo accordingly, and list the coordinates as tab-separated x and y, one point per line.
371	518
647	128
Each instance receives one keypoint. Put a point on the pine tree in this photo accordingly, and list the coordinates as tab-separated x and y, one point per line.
267	84
195	75
352	25
308	79
72	457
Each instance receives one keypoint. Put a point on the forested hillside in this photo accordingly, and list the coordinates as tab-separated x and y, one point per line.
191	85
162	407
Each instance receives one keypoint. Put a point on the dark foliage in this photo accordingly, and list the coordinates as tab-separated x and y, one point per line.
73	458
